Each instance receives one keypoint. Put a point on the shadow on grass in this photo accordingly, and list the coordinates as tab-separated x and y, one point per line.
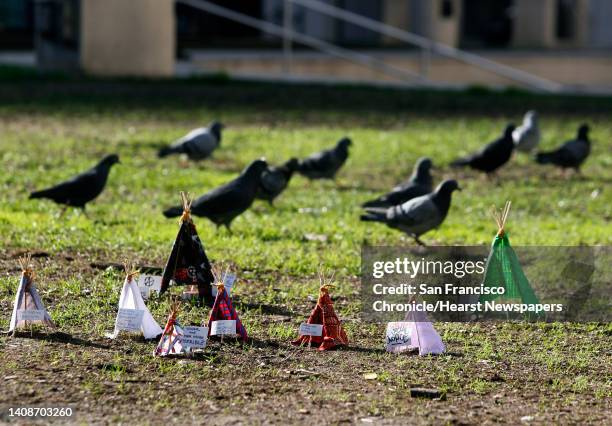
59	337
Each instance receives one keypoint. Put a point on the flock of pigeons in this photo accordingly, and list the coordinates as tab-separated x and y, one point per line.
413	207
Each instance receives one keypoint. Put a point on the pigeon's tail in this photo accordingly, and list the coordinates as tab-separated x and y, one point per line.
461	162
166	151
173	212
545	157
375	203
375	215
39	194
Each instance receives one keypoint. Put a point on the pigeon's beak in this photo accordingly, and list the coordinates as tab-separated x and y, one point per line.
459	188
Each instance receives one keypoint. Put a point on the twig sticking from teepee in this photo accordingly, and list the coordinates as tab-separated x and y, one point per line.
131	272
326	282
501	216
26	268
186	201
175	306
219	274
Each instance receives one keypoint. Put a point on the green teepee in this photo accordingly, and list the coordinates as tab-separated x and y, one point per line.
504	269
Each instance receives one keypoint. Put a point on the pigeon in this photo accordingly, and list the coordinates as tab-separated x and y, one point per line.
419	215
325	164
274	180
571	154
223	204
197	144
527	136
81	189
492	156
419	183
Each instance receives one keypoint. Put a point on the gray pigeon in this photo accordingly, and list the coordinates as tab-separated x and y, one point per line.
223	204
325	164
274	180
527	136
197	144
419	215
492	156
419	183
81	189
571	154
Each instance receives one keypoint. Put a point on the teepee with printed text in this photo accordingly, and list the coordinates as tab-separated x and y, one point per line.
171	341
130	301
503	268
28	308
188	263
422	336
333	334
223	309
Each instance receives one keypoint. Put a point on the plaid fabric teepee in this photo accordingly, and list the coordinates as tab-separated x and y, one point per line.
188	263
224	310
503	268
171	341
28	299
323	313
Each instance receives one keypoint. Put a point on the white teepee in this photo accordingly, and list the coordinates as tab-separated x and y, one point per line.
28	308
425	338
132	299
171	341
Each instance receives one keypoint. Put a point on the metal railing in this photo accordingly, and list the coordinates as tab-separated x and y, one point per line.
428	46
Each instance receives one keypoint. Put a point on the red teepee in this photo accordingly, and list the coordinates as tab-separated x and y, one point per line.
323	314
224	310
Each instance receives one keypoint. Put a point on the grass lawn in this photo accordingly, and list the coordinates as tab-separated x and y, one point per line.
53	127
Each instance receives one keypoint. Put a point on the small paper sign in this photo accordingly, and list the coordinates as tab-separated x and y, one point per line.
228	283
129	319
311	329
149	283
223	327
398	336
30	315
195	337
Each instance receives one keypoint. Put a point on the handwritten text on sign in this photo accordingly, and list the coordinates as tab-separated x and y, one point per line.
223	327
311	329
195	337
149	283
228	283
398	336
129	319
30	315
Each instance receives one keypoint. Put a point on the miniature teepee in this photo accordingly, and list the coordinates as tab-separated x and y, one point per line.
188	264
223	309
503	268
29	308
422	335
333	334
130	302
171	342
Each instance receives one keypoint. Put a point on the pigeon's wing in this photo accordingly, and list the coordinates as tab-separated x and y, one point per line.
575	150
273	181
321	161
198	143
219	201
81	187
417	216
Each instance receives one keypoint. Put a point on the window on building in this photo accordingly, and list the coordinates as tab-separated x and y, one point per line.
446	8
566	15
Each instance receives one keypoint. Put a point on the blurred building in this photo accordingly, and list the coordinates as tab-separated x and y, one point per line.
144	37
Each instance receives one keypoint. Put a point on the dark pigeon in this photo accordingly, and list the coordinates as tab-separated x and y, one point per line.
197	144
274	180
492	156
223	204
419	215
571	154
420	183
325	164
81	189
